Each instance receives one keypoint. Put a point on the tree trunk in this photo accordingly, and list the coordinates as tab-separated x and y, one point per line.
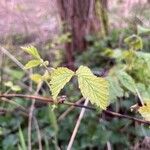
80	19
101	12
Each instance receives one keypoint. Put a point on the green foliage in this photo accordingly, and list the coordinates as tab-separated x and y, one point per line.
129	70
135	66
37	78
143	30
22	140
93	88
13	87
115	89
32	63
32	51
127	81
14	73
144	90
64	38
59	78
145	111
37	59
134	42
120	84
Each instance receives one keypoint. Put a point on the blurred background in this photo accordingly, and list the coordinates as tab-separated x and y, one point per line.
72	33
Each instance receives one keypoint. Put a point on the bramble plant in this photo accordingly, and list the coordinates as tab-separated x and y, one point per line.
101	91
92	87
128	77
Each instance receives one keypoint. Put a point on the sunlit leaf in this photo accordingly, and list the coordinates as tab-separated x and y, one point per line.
135	42
92	87
59	78
127	81
37	78
145	111
32	51
142	30
32	63
8	84
15	88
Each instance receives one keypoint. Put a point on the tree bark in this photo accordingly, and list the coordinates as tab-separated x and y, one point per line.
101	11
80	20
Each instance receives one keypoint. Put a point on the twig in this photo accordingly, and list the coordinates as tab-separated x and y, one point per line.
30	97
77	126
5	51
38	133
50	100
30	121
108	145
31	113
13	102
63	115
139	96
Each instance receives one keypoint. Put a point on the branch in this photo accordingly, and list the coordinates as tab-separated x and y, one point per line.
36	123
60	101
5	51
64	114
77	126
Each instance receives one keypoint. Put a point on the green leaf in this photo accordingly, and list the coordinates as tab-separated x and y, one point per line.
127	81
8	84
145	94
37	78
32	63
14	73
144	56
135	42
115	89
32	51
142	30
15	88
59	78
145	111
22	140
93	88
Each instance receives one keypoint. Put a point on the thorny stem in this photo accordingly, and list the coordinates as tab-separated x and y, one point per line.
50	100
